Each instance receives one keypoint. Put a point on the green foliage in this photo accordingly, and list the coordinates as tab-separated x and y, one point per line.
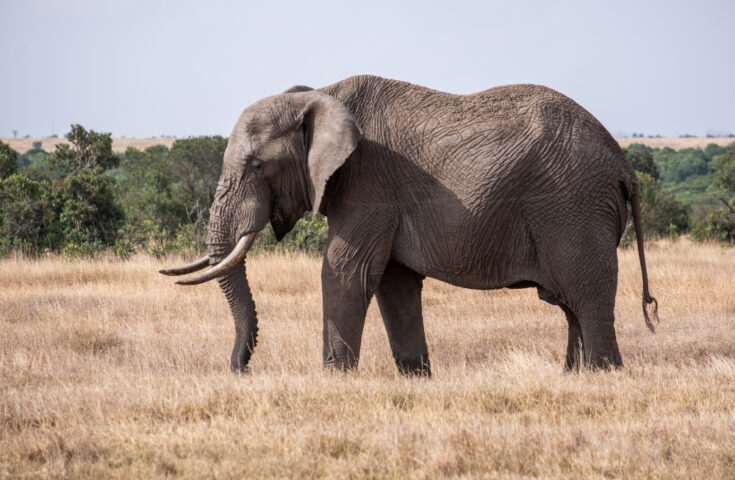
196	164
8	160
642	161
167	193
148	190
34	164
719	225
677	166
308	235
724	182
661	214
87	150
72	207
26	214
89	213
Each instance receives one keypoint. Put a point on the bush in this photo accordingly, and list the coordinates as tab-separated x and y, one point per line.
642	161
661	214
720	224
717	226
308	235
88	209
88	150
26	215
8	160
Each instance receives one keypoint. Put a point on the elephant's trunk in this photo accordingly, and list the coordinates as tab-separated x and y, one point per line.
230	273
234	285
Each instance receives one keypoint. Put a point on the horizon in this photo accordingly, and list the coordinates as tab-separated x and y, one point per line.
187	69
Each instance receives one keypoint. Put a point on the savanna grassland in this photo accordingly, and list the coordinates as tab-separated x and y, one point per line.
109	370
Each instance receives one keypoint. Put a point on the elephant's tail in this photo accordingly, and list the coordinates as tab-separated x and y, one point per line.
635	201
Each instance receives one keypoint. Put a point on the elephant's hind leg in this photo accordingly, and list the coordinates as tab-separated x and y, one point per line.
594	308
575	342
600	342
399	299
583	269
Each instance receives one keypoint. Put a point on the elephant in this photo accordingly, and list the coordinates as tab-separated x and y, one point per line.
516	186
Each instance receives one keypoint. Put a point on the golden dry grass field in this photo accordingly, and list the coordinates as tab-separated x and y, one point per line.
22	145
109	370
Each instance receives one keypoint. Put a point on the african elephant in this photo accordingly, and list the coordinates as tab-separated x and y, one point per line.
512	187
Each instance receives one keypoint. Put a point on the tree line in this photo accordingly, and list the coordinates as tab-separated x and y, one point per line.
83	198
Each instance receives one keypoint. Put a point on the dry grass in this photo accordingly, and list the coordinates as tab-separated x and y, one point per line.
677	143
22	145
109	370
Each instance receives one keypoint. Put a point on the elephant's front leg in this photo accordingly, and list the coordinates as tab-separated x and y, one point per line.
399	299
354	261
345	299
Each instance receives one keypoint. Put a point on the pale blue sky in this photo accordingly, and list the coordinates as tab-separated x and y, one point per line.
143	68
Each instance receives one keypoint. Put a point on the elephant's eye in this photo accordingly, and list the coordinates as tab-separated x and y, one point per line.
257	165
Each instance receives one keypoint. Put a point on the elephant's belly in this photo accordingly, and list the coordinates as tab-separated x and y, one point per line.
481	262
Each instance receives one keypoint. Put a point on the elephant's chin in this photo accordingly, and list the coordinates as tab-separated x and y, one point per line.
234	285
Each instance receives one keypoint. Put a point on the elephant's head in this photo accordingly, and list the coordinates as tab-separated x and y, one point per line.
279	157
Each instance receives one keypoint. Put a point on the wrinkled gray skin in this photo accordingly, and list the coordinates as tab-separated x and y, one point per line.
516	186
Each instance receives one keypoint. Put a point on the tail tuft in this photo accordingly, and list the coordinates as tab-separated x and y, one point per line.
647	301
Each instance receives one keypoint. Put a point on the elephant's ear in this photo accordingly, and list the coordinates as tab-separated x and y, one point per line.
331	135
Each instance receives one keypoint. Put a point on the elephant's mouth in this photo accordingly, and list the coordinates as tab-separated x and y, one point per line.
281	223
236	255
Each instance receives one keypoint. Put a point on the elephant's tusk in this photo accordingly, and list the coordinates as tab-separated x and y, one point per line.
236	256
194	266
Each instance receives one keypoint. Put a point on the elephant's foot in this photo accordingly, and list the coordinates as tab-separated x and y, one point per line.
417	366
240	357
342	366
341	359
575	354
606	361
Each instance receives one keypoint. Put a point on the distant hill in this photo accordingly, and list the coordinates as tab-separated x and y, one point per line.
677	143
22	145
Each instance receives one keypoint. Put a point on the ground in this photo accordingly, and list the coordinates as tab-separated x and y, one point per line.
107	369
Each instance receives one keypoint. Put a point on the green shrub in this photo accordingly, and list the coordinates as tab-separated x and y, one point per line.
661	214
308	235
26	214
720	224
8	160
717	226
